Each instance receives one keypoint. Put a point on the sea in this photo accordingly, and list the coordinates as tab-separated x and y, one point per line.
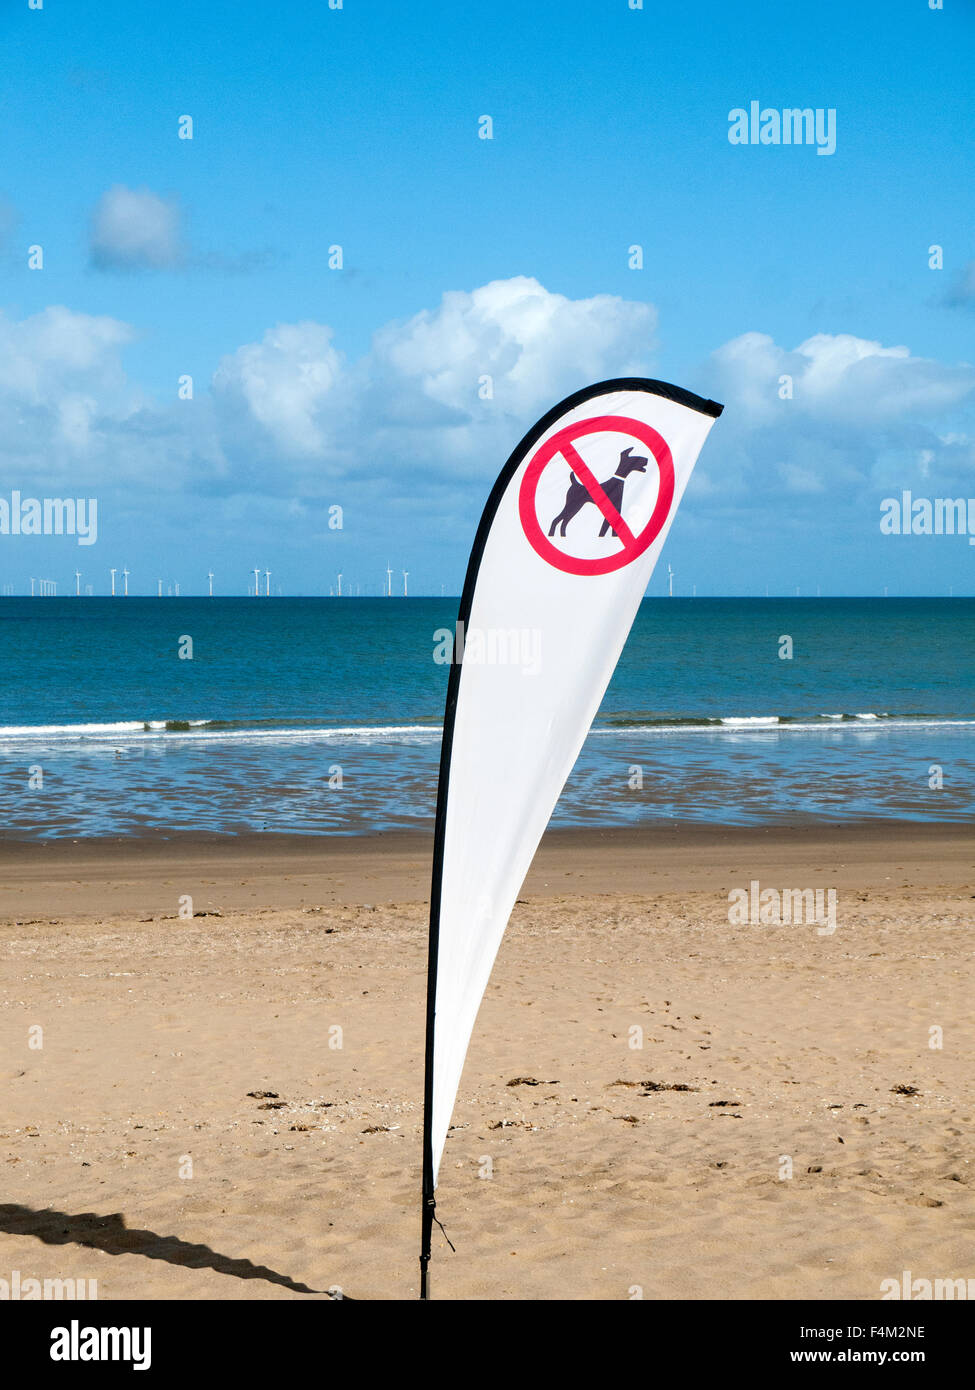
322	716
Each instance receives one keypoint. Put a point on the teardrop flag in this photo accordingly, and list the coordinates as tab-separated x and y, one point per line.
561	559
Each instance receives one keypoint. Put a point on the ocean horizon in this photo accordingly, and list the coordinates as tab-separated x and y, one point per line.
146	716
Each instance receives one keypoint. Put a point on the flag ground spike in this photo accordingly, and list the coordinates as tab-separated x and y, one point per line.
428	1206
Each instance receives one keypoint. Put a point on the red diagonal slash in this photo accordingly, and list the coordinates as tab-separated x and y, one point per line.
574	459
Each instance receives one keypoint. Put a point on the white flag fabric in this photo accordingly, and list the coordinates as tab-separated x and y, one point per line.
566	546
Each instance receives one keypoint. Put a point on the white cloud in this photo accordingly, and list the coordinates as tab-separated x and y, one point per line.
413	401
284	385
857	414
535	345
58	351
422	387
135	229
59	371
798	479
287	417
835	377
70	416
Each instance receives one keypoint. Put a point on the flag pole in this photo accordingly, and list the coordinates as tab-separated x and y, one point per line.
428	1198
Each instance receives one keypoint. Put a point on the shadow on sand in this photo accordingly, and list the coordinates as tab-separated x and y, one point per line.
110	1234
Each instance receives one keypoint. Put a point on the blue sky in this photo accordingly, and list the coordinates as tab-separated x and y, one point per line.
358	387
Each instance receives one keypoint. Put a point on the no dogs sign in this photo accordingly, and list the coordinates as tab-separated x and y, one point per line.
597	494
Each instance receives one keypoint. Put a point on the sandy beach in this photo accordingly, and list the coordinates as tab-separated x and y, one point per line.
192	1129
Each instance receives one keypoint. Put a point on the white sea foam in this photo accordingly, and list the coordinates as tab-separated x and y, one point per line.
128	726
161	731
761	724
750	720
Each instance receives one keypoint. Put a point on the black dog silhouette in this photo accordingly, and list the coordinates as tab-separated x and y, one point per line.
577	495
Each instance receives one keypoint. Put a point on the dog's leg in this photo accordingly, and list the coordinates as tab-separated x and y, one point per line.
572	509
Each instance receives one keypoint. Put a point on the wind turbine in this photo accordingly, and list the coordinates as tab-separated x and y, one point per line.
159	590
113	583
210	578
389	582
32	587
257	582
125	581
77	583
670	581
406	575
340	586
267	583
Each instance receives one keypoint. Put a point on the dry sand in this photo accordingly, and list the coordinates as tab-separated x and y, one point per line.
790	1044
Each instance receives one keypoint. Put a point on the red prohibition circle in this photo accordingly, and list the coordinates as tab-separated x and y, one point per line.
636	544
